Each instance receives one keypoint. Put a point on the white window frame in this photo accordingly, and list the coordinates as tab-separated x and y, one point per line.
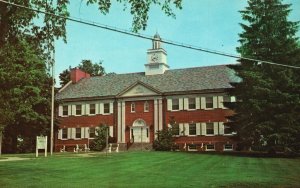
214	149
194	149
228	149
177	100
92	137
132	107
195	129
77	105
212	124
64	110
76	133
146	107
106	104
192	98
212	102
62	133
91	109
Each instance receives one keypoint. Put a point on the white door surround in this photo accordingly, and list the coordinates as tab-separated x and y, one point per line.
139	132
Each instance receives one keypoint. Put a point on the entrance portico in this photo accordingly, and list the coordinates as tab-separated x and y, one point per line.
139	132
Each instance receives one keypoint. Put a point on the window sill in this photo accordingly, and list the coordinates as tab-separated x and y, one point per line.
210	150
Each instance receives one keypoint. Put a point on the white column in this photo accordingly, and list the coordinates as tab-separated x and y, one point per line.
123	122
119	121
155	118
160	114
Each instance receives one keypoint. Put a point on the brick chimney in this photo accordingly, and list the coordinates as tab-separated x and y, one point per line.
77	74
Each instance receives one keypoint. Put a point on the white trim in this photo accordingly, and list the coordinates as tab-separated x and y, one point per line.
87	109
59	136
64	86
111	131
216	128
185	103
198	128
87	132
203	129
123	122
181	129
101	108
160	114
180	103
111	107
203	103
60	110
119	121
232	99
221	128
210	149
155	118
198	106
220	102
215	102
169	104
186	130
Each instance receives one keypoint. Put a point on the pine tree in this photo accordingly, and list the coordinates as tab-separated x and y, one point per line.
268	97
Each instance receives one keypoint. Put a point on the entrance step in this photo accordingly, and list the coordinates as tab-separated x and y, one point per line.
140	147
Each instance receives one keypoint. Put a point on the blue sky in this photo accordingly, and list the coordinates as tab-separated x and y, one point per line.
211	24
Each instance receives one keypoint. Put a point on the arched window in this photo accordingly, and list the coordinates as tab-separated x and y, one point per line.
133	107
146	106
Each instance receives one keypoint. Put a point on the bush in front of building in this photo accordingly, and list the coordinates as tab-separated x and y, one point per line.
99	143
164	140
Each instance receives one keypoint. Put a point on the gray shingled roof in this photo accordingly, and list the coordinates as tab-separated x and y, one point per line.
178	80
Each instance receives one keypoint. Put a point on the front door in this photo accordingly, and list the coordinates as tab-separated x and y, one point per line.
139	131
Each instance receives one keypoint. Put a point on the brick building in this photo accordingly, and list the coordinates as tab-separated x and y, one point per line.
136	105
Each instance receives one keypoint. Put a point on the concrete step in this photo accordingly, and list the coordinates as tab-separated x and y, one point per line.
140	147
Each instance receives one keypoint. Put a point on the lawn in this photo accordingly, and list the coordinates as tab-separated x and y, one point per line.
150	169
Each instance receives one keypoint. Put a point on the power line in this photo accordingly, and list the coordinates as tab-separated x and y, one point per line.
173	43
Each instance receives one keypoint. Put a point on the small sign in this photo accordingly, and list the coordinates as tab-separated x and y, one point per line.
41	143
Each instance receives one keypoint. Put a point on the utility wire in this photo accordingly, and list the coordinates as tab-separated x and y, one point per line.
126	32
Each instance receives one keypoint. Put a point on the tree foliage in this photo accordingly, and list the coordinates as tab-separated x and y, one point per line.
99	143
94	69
268	97
139	9
165	137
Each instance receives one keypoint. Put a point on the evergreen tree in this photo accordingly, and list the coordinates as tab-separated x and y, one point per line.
268	97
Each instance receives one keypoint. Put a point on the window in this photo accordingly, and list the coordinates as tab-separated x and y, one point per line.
78	109
175	104
226	100
228	147
64	133
175	129
209	102
106	108
192	103
227	129
92	132
92	109
192	129
146	107
78	133
65	110
210	147
192	147
132	107
209	128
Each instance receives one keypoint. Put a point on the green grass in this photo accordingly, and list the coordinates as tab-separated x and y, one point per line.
151	169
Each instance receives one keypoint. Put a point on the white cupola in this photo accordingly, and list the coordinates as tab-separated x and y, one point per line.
156	58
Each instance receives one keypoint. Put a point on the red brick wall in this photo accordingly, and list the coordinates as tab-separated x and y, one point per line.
139	113
86	121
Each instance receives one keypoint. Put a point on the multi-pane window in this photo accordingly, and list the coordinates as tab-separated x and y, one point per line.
192	147
209	128
65	110
106	108
175	129
227	129
92	109
132	107
78	133
92	132
228	147
210	147
64	133
175	104
78	109
209	102
146	107
192	103
192	129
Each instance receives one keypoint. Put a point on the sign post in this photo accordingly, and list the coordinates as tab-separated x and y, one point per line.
41	143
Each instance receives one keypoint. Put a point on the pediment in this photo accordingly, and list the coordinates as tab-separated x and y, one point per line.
139	89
